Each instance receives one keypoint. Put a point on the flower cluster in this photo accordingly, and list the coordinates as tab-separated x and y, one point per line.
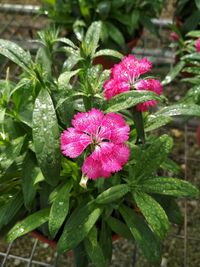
125	76
105	137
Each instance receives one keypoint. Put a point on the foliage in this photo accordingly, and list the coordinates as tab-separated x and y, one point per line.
187	13
121	20
41	187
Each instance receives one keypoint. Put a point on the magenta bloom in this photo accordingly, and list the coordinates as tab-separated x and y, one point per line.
124	77
150	85
105	135
197	45
174	36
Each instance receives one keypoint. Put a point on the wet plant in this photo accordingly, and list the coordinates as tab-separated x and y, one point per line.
79	157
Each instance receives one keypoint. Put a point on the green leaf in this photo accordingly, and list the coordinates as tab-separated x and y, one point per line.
153	213
193	34
46	137
68	42
108	52
152	157
91	40
59	209
119	228
93	249
28	224
16	54
112	194
64	78
105	240
30	172
78	226
154	122
142	234
173	73
180	109
170	187
115	34
9	210
129	99
9	155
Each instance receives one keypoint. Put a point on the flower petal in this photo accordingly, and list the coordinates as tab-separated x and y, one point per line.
115	125
114	87
93	169
73	142
111	156
150	85
88	122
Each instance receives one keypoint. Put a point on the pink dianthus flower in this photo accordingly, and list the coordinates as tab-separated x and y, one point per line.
125	75
174	36
197	45
105	135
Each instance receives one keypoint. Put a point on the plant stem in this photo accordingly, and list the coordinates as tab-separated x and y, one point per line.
139	125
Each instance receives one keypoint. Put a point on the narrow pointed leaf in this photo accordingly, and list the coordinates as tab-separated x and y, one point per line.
129	99
169	186
78	226
181	109
59	209
173	73
142	234
46	137
153	213
9	210
149	160
119	228
94	250
28	224
16	54
112	194
108	52
9	155
30	172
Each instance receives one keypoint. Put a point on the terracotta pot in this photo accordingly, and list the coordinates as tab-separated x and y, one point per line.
53	244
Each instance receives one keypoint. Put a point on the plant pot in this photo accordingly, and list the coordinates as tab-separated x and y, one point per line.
53	244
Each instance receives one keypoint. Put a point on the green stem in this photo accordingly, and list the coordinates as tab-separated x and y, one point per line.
139	125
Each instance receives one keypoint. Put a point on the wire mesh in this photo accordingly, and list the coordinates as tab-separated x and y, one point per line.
18	23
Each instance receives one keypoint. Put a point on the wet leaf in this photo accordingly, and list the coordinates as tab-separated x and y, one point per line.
93	249
112	194
180	109
46	137
129	99
16	54
173	73
59	209
28	224
142	234
153	213
169	186
78	226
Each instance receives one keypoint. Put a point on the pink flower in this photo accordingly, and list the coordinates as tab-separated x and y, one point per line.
124	77
150	85
197	45
174	36
105	135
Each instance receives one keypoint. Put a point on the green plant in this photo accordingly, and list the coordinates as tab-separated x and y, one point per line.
187	66
121	20
187	13
41	188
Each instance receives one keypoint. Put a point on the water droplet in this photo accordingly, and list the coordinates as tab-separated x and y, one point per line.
21	230
61	203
